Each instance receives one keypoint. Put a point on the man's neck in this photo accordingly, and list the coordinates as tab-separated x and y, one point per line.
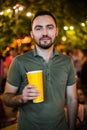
45	53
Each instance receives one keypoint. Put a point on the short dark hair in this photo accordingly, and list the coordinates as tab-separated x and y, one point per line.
41	13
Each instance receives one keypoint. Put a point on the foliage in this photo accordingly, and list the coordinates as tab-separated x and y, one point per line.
67	12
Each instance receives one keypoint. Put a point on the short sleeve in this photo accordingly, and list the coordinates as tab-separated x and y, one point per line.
14	73
85	112
71	73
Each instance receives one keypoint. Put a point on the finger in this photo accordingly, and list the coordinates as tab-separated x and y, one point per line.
31	96
30	86
31	93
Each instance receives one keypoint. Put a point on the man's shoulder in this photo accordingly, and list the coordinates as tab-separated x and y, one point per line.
64	56
25	55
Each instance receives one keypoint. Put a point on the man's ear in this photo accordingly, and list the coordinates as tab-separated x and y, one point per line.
31	34
57	32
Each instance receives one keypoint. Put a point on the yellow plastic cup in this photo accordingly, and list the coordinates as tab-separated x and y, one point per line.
36	78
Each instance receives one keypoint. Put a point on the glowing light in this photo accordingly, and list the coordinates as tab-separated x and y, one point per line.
63	38
14	7
20	8
28	14
1	13
83	24
71	28
8	10
65	28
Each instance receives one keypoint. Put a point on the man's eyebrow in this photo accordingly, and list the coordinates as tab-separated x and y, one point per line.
38	26
46	25
50	25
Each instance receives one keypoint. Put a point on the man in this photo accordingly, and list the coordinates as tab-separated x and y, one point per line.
58	75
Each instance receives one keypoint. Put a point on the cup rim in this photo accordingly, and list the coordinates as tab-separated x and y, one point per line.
35	71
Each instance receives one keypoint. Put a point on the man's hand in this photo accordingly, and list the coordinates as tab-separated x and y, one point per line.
30	93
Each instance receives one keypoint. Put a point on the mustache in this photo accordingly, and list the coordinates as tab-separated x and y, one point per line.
45	36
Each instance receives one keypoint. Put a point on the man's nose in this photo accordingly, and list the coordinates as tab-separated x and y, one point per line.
45	31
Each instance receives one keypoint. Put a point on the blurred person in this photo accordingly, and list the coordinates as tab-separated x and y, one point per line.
84	56
81	122
3	114
76	56
83	72
58	76
11	56
1	72
80	96
82	106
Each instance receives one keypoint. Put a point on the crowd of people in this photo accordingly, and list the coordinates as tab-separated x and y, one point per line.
65	85
5	62
8	115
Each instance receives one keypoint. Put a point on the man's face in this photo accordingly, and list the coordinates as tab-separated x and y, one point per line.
44	31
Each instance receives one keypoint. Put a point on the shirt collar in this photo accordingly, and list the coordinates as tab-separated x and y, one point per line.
55	52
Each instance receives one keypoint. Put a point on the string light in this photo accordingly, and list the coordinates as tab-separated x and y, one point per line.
9	10
65	28
20	8
83	24
71	27
63	38
28	14
1	13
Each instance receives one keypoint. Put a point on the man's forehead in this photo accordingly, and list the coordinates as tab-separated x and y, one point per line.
45	19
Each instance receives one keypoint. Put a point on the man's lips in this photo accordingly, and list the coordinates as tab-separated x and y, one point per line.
45	39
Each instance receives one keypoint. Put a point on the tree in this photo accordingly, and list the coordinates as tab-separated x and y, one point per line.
17	25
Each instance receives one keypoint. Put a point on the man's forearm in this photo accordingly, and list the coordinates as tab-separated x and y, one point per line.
12	100
72	114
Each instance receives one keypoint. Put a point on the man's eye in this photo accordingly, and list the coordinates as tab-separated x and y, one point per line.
38	28
50	27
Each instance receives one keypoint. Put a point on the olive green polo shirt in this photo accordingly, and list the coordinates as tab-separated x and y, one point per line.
58	74
85	112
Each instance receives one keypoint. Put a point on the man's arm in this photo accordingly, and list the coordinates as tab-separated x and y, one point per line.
10	97
71	105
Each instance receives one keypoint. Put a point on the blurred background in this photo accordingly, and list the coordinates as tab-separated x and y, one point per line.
15	17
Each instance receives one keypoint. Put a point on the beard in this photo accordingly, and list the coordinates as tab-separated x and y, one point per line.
45	44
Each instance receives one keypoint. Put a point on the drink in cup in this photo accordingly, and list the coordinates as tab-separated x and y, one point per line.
36	78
